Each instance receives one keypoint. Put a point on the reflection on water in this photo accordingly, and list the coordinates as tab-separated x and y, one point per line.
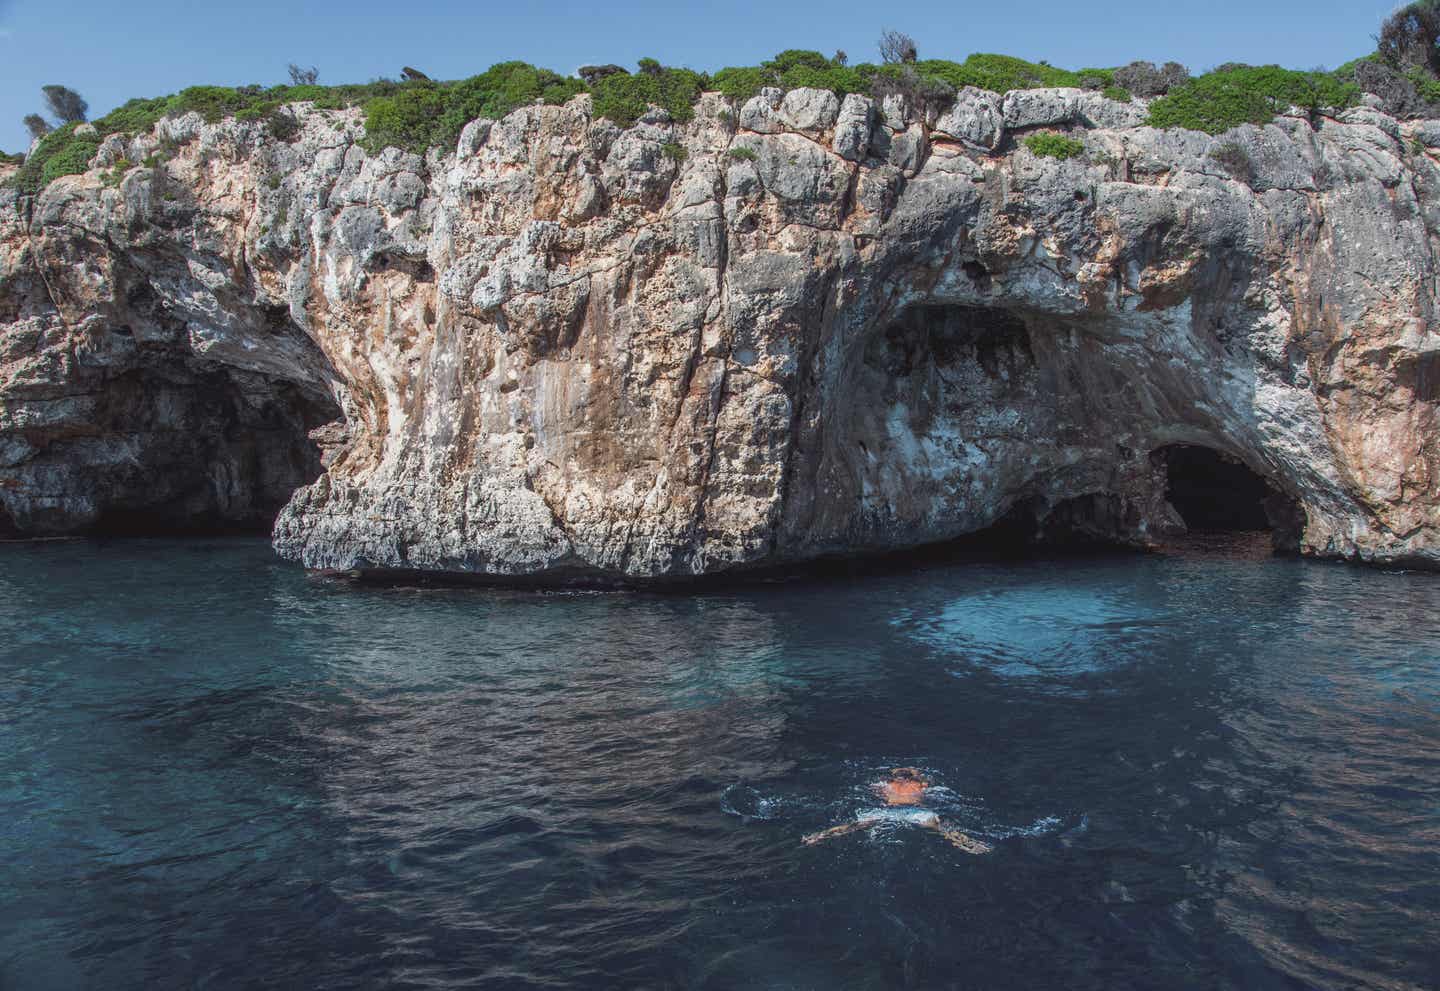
1196	773
1038	629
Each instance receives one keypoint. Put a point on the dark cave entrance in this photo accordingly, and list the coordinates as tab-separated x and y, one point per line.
217	455
1218	494
1214	493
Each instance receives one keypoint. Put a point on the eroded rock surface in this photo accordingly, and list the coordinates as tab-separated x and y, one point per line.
830	327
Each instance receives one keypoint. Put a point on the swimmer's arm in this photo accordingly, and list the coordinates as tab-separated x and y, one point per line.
841	830
962	841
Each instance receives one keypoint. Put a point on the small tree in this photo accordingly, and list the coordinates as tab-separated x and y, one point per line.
592	74
1235	160
303	77
1143	79
65	104
896	47
1407	37
37	126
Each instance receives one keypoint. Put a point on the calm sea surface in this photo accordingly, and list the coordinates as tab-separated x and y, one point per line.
218	772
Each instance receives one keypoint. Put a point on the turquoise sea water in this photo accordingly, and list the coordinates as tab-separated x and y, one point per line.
216	771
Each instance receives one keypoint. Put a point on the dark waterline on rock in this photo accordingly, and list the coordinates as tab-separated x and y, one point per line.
1197	771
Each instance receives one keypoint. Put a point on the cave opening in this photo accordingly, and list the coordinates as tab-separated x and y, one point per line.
214	458
1214	493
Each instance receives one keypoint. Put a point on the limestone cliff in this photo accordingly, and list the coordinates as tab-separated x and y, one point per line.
800	327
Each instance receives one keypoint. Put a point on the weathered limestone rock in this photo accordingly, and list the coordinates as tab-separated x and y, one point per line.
556	351
852	128
975	117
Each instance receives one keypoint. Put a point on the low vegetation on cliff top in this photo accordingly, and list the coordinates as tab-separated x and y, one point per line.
417	113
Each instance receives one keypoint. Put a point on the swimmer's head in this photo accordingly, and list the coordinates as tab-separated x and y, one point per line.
906	774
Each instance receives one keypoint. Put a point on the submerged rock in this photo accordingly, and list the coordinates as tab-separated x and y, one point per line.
829	327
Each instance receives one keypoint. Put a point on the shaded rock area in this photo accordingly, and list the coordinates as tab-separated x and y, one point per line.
141	397
561	351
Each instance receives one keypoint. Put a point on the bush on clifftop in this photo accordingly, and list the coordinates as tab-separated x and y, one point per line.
1249	94
424	114
793	69
419	114
61	152
624	98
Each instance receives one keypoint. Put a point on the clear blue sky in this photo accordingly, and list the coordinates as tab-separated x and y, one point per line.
112	51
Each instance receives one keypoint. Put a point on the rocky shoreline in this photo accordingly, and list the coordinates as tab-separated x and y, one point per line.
799	328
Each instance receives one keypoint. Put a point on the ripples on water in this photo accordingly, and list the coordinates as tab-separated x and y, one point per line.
1197	773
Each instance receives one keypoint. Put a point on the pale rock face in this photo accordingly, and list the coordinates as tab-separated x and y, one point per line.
852	128
555	351
976	117
811	112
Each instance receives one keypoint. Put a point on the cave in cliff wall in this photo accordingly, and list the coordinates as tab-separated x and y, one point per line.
1051	420
164	448
245	450
1215	493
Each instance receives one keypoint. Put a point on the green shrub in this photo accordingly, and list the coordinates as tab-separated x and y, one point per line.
740	83
623	99
1051	145
1117	93
410	119
117	172
1003	73
135	117
674	152
1235	160
282	124
71	159
798	68
61	152
793	69
1240	94
7	159
422	114
743	154
214	103
1427	87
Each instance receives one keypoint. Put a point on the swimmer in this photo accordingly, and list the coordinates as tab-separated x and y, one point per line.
904	795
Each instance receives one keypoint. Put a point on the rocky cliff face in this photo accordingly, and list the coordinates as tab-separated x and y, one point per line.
796	328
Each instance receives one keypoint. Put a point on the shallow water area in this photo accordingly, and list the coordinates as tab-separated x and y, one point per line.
1210	771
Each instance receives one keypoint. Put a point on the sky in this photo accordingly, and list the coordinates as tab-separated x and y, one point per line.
111	52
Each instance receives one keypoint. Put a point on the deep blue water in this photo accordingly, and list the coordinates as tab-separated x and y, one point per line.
216	771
